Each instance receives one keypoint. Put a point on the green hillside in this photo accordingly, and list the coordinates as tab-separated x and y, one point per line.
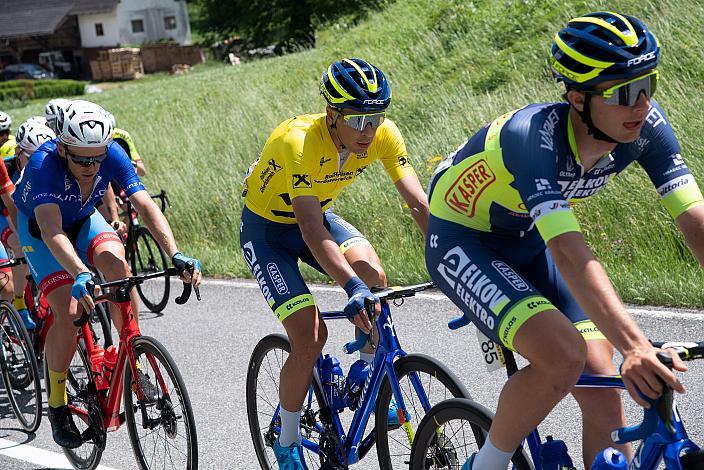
453	65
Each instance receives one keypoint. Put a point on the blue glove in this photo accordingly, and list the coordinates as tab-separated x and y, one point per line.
357	291
184	263
80	289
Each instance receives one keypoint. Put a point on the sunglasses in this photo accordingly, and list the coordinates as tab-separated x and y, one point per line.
87	161
628	93
360	122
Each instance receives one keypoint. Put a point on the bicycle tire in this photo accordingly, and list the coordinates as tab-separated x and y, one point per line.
148	351
79	381
263	441
429	368
425	453
692	460
18	354
148	258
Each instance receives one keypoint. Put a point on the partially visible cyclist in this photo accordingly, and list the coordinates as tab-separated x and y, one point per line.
305	164
51	111
7	140
124	139
60	232
505	246
30	135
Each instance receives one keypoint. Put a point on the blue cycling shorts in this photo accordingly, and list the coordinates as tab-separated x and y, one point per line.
272	250
499	281
86	235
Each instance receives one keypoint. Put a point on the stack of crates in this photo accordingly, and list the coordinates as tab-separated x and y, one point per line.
118	64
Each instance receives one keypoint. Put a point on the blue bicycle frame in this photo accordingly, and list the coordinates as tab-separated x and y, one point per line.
387	350
659	441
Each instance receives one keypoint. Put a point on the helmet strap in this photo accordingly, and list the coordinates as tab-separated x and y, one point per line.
586	115
333	126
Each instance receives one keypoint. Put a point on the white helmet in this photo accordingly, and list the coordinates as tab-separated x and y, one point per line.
112	119
30	135
5	121
84	124
51	110
37	119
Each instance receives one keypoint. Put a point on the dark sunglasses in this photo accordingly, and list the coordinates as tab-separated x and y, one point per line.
627	93
87	161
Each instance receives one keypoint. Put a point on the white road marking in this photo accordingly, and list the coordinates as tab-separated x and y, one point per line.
37	456
636	311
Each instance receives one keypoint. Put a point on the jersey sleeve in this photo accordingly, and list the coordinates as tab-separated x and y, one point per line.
661	159
6	184
124	135
392	152
530	157
300	149
120	168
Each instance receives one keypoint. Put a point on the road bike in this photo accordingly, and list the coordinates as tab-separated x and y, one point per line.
456	428
413	381
157	408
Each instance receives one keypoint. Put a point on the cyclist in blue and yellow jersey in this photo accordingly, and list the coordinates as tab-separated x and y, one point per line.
306	162
505	246
60	233
30	135
7	140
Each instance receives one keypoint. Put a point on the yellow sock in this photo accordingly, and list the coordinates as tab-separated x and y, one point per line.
18	302
57	384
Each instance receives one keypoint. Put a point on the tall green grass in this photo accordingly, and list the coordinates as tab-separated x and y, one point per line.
453	65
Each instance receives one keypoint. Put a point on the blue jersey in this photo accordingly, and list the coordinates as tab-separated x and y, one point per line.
523	170
47	180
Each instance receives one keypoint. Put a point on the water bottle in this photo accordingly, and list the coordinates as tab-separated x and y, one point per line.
554	456
356	378
96	365
333	382
610	459
109	362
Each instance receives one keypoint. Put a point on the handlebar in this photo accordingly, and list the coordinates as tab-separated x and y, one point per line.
163	199
13	262
122	293
384	294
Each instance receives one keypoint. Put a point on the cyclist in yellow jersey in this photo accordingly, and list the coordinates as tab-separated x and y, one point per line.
305	164
124	138
504	245
7	140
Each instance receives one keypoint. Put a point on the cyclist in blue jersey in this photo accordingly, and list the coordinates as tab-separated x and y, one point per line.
60	232
505	246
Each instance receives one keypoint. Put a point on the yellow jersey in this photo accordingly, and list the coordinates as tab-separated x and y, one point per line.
300	159
8	148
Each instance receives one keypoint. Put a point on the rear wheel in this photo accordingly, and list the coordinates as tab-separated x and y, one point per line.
148	258
160	425
262	396
451	432
18	365
424	382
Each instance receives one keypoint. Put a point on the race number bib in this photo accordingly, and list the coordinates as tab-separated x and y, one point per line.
493	356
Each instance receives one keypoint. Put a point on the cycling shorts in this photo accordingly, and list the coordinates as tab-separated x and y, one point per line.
272	250
86	235
499	280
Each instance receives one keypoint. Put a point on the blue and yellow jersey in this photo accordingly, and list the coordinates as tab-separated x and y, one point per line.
124	139
523	169
8	148
300	159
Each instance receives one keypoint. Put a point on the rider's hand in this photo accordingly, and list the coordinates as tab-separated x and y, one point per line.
184	264
79	291
357	291
120	227
642	371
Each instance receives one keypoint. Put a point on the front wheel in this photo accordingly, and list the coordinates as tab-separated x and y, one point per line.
424	382
451	432
148	258
19	369
160	425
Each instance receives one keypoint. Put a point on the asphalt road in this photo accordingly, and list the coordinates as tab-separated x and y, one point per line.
211	342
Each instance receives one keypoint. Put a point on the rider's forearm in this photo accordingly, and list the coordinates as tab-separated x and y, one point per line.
412	192
111	205
327	252
159	227
140	168
64	252
691	225
420	214
594	292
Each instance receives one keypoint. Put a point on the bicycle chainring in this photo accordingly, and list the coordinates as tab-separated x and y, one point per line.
332	453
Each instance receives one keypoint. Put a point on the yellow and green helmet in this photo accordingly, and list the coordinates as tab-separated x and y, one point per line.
355	84
603	46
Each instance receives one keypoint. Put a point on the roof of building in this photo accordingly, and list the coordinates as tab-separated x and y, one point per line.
20	18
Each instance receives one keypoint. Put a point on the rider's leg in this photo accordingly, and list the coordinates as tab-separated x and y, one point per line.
109	258
307	333
6	285
19	277
60	340
602	408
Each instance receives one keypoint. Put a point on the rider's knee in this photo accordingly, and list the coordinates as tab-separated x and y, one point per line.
308	334
600	405
112	264
371	273
561	358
